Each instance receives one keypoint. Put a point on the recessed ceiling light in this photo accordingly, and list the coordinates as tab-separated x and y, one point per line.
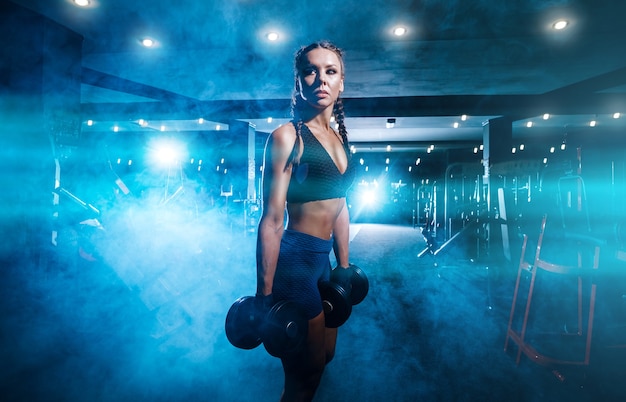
399	31
272	36
81	3
147	42
616	115
560	24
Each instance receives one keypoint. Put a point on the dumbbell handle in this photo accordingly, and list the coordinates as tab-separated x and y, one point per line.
343	277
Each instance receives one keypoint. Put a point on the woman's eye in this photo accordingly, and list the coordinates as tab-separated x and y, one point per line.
308	71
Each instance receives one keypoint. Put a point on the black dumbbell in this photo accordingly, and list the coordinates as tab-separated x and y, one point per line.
338	299
283	329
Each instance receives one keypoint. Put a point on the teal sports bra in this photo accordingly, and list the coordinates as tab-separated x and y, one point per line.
316	177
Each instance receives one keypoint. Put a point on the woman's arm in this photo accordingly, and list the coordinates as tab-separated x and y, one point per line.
275	184
341	236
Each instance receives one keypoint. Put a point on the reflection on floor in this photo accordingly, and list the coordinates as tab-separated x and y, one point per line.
151	328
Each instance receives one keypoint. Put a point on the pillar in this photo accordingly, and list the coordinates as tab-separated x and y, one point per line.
39	103
497	142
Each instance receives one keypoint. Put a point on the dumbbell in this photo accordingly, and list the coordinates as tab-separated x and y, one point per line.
282	330
338	300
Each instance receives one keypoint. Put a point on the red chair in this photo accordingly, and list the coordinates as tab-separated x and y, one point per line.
585	277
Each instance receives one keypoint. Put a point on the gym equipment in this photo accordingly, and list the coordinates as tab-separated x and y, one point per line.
338	298
282	329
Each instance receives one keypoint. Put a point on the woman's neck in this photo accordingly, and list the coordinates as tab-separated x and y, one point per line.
318	118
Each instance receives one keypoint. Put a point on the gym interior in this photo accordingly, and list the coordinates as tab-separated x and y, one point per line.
496	263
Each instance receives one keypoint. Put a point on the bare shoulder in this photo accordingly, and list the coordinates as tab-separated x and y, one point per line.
285	134
282	140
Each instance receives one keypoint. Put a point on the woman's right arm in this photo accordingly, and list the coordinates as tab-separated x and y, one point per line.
275	184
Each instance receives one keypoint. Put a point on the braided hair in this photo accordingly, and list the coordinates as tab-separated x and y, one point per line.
297	102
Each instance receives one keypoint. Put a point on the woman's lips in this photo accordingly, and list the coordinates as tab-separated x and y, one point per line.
321	94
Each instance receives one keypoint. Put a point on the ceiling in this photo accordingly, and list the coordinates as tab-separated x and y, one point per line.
481	58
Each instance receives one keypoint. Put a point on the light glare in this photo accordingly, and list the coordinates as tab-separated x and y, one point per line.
399	31
560	24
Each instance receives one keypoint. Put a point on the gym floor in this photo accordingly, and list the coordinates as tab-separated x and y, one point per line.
149	327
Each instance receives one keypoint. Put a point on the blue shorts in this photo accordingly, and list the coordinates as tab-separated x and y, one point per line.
302	263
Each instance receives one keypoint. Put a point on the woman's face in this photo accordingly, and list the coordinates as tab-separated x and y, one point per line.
320	78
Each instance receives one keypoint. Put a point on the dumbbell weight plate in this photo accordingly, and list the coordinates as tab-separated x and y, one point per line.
285	329
242	324
337	306
360	285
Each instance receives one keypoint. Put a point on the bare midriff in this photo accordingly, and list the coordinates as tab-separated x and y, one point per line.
315	218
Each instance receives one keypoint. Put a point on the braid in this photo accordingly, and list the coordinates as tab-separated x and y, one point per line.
340	116
297	123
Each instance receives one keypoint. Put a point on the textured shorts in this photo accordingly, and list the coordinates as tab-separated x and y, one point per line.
303	262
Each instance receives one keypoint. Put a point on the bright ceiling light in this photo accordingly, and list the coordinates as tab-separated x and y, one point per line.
616	115
546	116
272	36
529	124
147	42
81	3
560	25
399	31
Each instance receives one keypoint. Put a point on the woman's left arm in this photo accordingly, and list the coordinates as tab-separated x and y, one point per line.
341	236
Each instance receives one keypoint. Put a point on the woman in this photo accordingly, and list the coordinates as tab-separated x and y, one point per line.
307	169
